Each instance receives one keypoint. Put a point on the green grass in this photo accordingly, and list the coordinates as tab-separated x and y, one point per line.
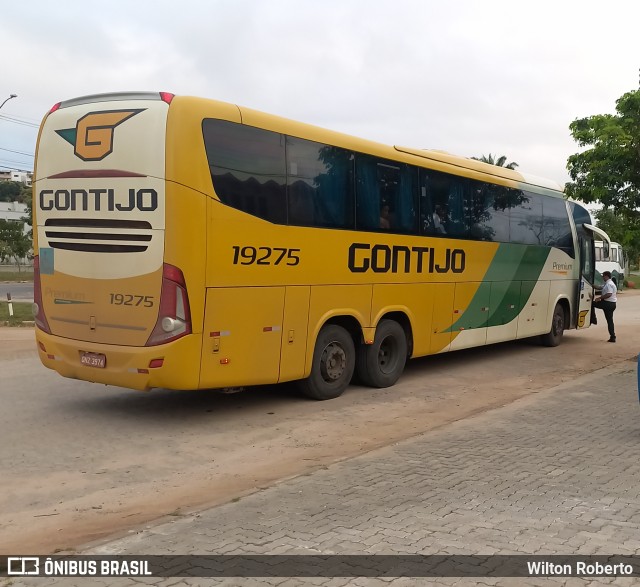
21	312
12	274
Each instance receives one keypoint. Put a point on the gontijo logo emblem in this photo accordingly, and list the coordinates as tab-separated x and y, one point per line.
92	138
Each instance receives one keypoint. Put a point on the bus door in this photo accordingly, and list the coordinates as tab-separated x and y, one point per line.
585	283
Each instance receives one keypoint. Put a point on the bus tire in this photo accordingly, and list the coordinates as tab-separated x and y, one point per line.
380	364
554	336
333	364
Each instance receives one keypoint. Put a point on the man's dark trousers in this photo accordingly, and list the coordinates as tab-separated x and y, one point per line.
608	308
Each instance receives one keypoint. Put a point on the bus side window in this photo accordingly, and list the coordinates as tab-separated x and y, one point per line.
442	204
489	212
526	224
456	220
425	204
397	197
557	230
247	168
385	195
320	184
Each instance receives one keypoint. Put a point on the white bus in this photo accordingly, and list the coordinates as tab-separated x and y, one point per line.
615	262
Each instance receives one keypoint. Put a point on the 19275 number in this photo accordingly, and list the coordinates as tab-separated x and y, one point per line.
118	299
265	256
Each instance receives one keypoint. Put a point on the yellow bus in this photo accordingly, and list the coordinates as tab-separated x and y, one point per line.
187	243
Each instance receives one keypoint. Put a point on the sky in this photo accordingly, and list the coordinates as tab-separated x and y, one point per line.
469	77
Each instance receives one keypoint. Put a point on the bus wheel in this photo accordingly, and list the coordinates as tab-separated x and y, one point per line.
333	364
554	336
380	364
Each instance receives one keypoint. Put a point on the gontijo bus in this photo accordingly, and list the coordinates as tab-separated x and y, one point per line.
187	243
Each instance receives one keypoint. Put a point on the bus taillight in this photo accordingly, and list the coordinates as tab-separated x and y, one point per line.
174	316
38	311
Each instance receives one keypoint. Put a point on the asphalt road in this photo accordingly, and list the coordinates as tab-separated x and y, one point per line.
81	461
19	291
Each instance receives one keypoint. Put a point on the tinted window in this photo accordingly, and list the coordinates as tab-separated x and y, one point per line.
247	168
580	215
488	212
386	195
526	225
442	204
320	182
587	264
557	230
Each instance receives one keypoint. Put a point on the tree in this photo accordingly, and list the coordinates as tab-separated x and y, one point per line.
25	194
621	229
608	171
499	161
28	219
14	243
10	191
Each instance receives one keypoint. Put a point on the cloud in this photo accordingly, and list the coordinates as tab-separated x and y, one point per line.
468	77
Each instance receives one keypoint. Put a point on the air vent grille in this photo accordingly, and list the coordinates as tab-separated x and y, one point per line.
98	235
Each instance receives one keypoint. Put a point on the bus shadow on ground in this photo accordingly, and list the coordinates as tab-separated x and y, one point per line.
163	405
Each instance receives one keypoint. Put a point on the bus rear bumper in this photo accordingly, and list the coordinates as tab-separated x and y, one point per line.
126	366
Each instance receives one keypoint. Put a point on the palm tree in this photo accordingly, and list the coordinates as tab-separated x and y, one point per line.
499	161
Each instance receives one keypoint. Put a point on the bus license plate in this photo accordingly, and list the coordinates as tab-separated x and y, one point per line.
93	360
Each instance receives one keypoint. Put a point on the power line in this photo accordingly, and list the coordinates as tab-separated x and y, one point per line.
4	168
27	119
18	152
18	121
2	161
24	118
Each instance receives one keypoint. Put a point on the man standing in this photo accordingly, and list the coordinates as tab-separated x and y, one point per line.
607	302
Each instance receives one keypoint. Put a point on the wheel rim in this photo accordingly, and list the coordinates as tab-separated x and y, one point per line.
333	362
388	355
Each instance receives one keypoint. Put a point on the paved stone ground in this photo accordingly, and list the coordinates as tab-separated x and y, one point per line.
557	472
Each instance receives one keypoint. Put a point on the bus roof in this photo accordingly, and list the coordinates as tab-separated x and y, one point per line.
487	168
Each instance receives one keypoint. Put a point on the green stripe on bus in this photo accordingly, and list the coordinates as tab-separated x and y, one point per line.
509	281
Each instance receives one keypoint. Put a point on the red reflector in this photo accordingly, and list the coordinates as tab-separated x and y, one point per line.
155	363
167	97
267	329
174	318
42	348
143	371
214	334
39	317
173	273
51	357
55	107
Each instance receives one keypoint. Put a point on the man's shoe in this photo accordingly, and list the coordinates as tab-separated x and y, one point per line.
612	339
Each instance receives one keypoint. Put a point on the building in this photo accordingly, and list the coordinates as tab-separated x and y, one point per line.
24	177
13	211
